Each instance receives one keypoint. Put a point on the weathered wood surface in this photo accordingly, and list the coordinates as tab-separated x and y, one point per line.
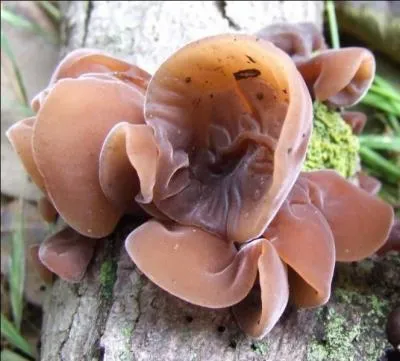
115	313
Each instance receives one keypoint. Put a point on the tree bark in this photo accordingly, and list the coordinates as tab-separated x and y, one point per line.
116	313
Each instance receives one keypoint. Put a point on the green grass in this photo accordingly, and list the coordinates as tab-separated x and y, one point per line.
21	22
6	48
7	355
380	150
12	335
17	269
21	349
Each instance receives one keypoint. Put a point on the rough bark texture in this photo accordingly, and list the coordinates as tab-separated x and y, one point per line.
115	313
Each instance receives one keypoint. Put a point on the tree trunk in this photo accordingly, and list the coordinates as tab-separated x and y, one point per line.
116	313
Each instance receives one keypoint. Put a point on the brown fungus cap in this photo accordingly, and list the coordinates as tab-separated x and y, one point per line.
232	118
70	129
192	264
356	120
94	63
20	137
88	94
368	183
67	254
128	162
45	274
299	40
258	313
304	241
339	76
360	222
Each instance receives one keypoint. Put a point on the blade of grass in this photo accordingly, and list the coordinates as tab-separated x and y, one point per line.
376	161
17	269
7	355
385	92
383	142
333	27
5	47
394	123
383	83
23	23
10	333
53	11
380	103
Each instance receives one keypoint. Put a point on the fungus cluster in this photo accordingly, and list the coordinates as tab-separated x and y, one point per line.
212	147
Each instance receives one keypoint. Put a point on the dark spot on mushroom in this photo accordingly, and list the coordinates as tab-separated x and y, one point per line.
251	59
303	135
246	73
42	288
211	95
233	344
188	79
221	329
290	151
196	102
189	319
260	96
285	91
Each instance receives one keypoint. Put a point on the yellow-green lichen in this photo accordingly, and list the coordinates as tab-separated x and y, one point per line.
108	275
333	144
352	326
260	347
337	344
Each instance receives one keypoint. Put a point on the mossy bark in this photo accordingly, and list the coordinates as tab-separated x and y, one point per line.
116	313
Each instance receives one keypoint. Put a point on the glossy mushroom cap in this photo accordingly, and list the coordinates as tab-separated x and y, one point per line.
67	254
89	93
324	219
340	77
299	40
356	120
231	119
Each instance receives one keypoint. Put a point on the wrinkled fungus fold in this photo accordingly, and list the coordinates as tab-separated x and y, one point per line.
232	118
300	40
212	146
60	147
340	77
67	254
192	264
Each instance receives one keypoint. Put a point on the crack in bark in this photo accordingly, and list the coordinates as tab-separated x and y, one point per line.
68	330
221	6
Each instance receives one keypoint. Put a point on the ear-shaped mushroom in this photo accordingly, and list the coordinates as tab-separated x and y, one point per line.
192	264
303	239
356	120
43	271
368	183
20	137
128	145
339	76
84	62
67	254
232	119
360	222
299	40
258	313
69	132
